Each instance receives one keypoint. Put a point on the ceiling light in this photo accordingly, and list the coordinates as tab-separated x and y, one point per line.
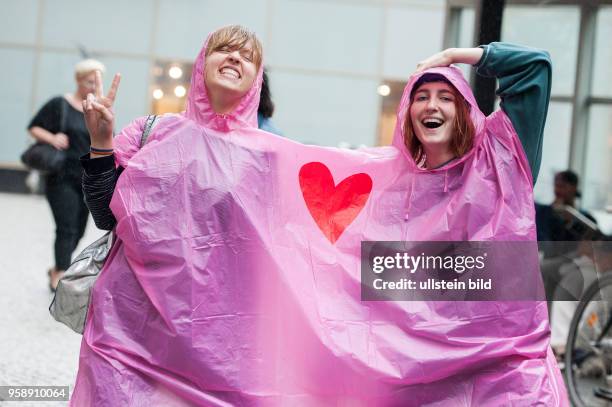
175	72
158	94
384	90
180	91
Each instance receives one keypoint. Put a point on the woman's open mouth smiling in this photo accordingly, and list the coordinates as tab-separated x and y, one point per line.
230	72
432	122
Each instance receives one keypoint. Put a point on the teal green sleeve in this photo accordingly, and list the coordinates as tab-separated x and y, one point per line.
524	76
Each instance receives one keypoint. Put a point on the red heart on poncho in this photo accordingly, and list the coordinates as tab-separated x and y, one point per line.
333	207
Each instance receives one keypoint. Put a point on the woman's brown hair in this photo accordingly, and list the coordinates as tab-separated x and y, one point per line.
463	128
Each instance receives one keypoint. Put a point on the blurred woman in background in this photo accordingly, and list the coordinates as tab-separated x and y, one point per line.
60	123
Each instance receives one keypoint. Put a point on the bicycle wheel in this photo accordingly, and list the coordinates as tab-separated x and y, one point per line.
588	353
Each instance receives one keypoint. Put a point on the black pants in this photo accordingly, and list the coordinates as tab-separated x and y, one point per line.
65	197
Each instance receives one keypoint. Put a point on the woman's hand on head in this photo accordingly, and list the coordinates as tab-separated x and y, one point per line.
443	58
99	115
451	56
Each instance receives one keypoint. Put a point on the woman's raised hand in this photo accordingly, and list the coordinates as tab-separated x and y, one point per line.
99	115
451	56
443	58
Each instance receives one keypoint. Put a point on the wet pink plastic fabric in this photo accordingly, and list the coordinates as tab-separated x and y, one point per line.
235	279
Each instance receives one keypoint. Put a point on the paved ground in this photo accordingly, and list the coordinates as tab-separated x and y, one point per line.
34	348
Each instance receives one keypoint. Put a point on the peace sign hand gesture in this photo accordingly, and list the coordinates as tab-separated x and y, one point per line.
99	115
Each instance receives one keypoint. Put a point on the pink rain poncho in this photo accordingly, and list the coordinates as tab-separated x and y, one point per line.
235	278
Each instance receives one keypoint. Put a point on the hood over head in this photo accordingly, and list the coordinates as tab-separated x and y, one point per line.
199	108
455	77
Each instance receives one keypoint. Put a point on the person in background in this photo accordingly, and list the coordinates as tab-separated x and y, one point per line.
265	110
554	222
565	233
60	123
560	227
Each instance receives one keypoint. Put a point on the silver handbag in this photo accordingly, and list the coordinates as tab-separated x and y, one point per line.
71	300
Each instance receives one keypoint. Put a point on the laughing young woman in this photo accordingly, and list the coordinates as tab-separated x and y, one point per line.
472	180
438	128
115	352
465	161
233	61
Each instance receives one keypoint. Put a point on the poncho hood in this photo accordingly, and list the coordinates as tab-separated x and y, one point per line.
200	109
455	77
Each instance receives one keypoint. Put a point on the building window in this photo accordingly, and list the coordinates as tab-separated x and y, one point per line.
598	165
578	133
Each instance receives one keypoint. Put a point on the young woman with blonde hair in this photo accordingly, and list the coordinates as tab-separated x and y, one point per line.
60	123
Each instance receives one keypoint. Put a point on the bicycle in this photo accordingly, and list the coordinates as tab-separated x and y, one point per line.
588	355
